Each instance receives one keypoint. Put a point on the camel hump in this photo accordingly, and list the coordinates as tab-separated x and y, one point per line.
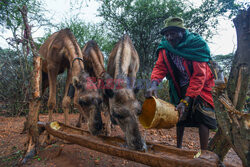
67	32
91	43
126	37
128	40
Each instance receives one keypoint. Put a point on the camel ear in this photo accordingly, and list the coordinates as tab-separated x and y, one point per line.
75	81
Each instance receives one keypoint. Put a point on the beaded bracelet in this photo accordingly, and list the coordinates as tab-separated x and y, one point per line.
185	102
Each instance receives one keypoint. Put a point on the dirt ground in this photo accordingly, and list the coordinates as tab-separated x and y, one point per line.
71	155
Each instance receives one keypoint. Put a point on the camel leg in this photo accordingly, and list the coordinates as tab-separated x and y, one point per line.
51	82
81	111
107	121
66	106
79	122
52	74
66	99
81	115
107	124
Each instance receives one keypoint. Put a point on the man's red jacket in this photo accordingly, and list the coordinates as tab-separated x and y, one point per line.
201	79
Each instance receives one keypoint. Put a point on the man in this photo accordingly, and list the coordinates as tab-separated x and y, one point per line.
183	59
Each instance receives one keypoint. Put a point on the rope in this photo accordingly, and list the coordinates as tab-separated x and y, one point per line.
77	58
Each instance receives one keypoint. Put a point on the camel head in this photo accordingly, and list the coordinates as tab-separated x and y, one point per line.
124	110
90	100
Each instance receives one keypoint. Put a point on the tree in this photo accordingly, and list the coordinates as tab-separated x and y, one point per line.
11	19
234	127
35	102
143	19
14	82
87	31
17	61
205	18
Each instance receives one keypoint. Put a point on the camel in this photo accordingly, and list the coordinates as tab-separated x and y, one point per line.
123	64
60	52
94	65
123	106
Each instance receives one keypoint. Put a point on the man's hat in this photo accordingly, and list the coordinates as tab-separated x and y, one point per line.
173	23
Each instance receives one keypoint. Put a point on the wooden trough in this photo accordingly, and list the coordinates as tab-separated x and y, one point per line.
156	155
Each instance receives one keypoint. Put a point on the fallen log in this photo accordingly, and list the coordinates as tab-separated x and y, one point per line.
156	154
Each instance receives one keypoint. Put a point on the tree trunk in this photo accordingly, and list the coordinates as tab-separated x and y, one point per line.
219	144
34	106
234	128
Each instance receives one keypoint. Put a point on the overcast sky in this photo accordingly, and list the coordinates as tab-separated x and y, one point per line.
223	42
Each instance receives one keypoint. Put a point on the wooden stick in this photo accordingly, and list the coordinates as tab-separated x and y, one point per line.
228	105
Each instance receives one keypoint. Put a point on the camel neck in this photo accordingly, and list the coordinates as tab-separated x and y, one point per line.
77	66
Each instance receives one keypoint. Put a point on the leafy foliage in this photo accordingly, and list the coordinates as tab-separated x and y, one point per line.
204	19
143	19
15	73
86	31
16	62
11	18
225	61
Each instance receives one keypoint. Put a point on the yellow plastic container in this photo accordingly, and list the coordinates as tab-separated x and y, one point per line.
158	114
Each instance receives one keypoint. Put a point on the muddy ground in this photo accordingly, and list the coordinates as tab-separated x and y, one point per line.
71	155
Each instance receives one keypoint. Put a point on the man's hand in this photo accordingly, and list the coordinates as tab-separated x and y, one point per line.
152	91
182	107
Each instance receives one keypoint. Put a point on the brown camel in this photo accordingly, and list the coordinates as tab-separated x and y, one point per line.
61	51
123	106
94	65
123	65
